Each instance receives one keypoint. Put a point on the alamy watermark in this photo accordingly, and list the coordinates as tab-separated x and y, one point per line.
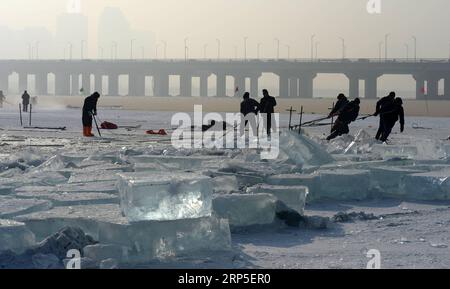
374	7
240	132
375	259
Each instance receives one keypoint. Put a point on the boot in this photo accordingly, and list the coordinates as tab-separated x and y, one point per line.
89	131
85	132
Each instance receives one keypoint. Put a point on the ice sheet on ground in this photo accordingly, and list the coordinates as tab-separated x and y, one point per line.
11	206
303	151
15	236
176	162
342	185
108	187
164	196
294	197
387	179
427	186
243	210
395	151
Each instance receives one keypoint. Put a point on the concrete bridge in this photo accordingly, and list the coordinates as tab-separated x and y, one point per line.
296	77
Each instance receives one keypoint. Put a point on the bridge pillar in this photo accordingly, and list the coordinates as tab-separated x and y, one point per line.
371	87
447	87
99	83
239	85
254	86
293	87
284	85
136	85
420	87
432	88
186	85
41	84
307	85
62	84
204	85
161	85
75	84
4	86
86	83
221	84
113	85
354	87
23	82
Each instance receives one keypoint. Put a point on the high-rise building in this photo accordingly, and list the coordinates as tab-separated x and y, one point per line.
71	39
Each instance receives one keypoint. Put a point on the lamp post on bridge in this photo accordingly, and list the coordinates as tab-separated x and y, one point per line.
245	48
407	51
415	48
258	50
218	48
185	49
343	47
386	38
131	48
278	48
312	46
165	49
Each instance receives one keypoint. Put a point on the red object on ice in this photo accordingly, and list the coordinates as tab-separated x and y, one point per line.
108	125
160	132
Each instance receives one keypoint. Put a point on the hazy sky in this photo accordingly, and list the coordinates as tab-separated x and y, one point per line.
292	21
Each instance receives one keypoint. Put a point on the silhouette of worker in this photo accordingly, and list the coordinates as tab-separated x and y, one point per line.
249	106
394	112
340	104
89	111
348	114
25	101
267	107
383	106
2	98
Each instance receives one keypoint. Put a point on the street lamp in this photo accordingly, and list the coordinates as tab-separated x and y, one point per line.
386	37
288	51
165	49
156	51
131	48
407	51
37	49
143	52
218	48
278	47
114	50
343	47
317	49
415	48
312	46
185	49
380	48
258	50
205	48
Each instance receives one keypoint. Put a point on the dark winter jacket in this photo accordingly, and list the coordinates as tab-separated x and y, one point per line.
339	106
268	104
25	98
249	106
90	104
382	105
349	113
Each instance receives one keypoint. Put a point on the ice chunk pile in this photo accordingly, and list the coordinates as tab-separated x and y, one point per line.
164	196
395	151
243	210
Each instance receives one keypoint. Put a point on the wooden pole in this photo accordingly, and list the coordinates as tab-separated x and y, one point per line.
20	114
31	108
290	117
301	120
332	119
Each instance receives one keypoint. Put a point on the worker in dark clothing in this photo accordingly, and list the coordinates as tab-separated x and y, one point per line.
382	107
267	107
394	112
340	104
348	114
89	111
25	101
2	98
249	106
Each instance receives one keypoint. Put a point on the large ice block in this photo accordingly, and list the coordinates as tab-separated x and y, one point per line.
294	197
176	162
243	210
143	241
70	199
92	177
342	185
430	186
15	236
386	180
303	151
165	196
307	180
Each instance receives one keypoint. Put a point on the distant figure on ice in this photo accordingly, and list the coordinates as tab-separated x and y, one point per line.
248	106
383	106
2	98
89	110
394	112
25	101
267	106
348	114
340	104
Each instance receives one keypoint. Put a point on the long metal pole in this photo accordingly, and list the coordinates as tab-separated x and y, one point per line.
20	114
